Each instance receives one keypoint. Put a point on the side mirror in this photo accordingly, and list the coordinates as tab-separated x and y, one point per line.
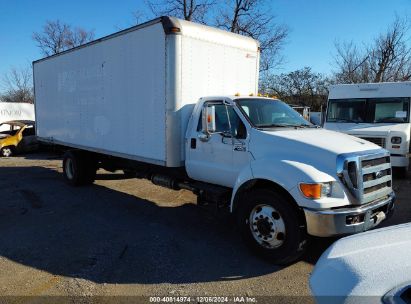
209	124
209	121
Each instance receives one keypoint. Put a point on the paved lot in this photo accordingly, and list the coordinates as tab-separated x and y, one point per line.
129	237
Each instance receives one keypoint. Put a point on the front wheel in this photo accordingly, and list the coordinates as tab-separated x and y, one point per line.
270	225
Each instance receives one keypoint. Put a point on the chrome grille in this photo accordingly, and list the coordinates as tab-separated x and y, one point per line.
378	178
380	141
367	176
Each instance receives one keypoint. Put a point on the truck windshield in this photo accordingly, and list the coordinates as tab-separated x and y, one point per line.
371	110
270	113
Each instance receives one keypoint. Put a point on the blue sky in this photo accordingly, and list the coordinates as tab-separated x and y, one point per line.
315	25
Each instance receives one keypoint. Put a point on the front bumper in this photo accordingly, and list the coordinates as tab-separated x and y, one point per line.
348	220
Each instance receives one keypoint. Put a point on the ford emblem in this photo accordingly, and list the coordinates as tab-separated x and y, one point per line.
379	174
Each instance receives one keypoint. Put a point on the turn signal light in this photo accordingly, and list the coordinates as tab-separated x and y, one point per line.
316	191
311	190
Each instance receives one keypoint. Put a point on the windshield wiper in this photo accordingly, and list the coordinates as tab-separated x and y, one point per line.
307	126
346	120
283	126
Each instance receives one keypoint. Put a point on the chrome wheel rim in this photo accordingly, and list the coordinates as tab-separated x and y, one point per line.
267	226
69	168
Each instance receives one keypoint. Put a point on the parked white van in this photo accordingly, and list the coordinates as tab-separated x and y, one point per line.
377	112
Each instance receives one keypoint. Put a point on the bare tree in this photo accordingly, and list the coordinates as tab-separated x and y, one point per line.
300	87
138	17
18	86
57	37
352	64
390	56
190	10
387	58
250	18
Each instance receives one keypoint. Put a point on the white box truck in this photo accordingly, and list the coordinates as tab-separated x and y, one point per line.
377	112
175	102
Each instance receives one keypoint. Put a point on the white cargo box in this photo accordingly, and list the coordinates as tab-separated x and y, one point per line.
130	94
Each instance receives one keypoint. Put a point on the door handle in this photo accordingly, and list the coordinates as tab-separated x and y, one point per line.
193	143
204	137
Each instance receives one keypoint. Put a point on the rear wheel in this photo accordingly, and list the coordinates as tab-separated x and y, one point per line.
270	226
7	151
79	168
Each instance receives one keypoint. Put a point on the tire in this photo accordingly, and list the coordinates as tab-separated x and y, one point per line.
79	168
7	151
276	231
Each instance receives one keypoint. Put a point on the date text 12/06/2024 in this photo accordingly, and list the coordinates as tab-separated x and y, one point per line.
203	299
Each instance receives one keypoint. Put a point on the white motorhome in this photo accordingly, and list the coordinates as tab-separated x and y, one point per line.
377	112
10	111
175	102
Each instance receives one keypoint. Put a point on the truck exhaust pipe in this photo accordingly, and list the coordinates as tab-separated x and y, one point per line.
165	181
168	182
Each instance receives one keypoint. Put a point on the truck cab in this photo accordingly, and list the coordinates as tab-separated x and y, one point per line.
379	113
272	157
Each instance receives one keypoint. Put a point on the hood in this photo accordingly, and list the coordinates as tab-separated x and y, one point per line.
316	147
365	129
331	141
370	263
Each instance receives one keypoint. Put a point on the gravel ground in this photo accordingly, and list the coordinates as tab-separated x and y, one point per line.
131	238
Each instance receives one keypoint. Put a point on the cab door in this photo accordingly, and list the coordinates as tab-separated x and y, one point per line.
210	157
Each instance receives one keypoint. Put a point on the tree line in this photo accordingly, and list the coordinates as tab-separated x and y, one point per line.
386	58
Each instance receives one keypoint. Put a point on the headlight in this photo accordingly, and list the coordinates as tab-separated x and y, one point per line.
396	140
316	191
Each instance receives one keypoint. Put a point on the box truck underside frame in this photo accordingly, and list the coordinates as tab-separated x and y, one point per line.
87	163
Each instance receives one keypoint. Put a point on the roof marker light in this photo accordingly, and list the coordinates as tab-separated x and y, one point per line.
175	30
